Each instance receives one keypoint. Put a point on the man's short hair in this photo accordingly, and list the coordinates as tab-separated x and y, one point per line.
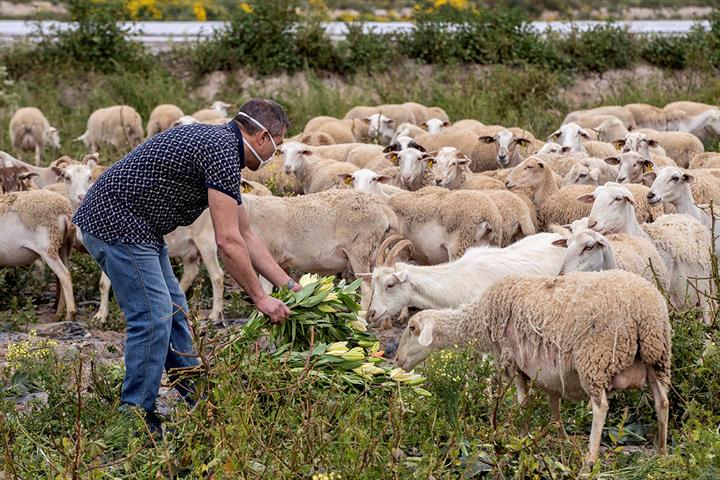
269	113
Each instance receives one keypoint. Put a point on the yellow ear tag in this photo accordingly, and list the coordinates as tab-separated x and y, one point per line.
394	158
648	168
429	163
246	188
348	180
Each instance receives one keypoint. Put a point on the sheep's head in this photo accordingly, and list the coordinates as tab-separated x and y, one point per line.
380	126
669	185
419	338
570	137
435	125
631	166
584	172
610	129
613	206
636	142
412	163
529	174
364	180
448	164
506	142
78	178
391	291
53	138
185	120
295	156
549	147
221	107
713	121
587	251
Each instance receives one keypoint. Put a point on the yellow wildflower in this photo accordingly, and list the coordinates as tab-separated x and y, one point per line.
247	8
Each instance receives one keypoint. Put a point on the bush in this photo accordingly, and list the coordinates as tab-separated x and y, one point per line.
602	48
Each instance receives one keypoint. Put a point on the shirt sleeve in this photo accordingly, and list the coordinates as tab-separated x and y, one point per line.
221	168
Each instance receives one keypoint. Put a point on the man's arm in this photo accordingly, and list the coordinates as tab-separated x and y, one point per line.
234	253
261	259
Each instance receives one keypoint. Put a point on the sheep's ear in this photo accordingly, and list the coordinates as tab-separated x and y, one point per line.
583	133
653	143
384	179
400	276
392	157
560	243
366	121
629	200
648	166
587	198
306	152
389	121
417	146
554	135
366	277
426	336
59	171
612	161
447	124
393	147
687	178
523	142
618	143
346	178
649	178
423	125
28	175
487	139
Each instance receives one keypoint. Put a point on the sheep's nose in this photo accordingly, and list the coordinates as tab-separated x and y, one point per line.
81	197
438	181
621	179
651	195
507	184
591	222
406	178
287	170
371	314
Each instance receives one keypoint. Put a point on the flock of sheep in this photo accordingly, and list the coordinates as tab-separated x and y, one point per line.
550	255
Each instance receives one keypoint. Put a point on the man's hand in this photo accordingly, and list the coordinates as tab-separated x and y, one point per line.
273	308
297	287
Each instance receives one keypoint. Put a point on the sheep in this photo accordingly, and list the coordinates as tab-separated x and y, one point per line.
295	230
591	251
518	218
36	225
631	166
30	131
368	156
506	143
585	334
163	117
679	146
398	286
216	111
467	124
367	180
407	130
482	155
705	160
683	242
415	167
590	171
77	180
401	142
399	113
650	116
43	176
451	170
313	174
345	131
675	187
316	139
610	129
622	113
423	113
701	124
435	125
119	126
16	179
559	205
380	127
442	224
316	122
574	138
273	177
691	108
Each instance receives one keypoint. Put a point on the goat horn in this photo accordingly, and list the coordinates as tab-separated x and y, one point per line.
384	246
395	251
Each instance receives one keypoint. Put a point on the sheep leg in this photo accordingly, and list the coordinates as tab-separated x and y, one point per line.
208	252
63	275
599	409
191	268
39	270
520	388
104	310
554	401
662	409
38	155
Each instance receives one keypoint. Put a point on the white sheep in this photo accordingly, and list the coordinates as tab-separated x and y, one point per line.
617	111
313	174
30	131
407	130
705	160
119	126
631	165
367	180
683	242
650	116
585	334
435	125
216	111
399	286
590	171
451	169
701	124
36	225
380	127
399	113
506	143
482	155
556	205
679	146
573	138
415	167
163	117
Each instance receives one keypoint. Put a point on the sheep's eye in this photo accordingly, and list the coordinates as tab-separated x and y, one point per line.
390	285
412	328
528	167
582	175
587	247
675	178
617	199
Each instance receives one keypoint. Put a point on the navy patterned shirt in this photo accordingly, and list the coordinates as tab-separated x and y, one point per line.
162	184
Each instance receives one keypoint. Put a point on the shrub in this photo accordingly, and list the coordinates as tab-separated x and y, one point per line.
602	48
665	52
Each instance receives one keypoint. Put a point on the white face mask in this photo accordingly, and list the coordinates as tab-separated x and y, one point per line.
262	127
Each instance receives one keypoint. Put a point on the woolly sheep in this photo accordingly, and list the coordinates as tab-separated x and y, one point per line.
36	225
679	146
398	286
650	116
316	139
415	167
399	113
435	125
216	111
701	124
481	154
518	218
705	160
423	113
590	171
367	180
313	174
467	124
163	117
406	130
574	138
368	156
631	166
559	205
617	111
450	169
30	131
506	143
443	224
683	242
119	126
576	336
316	122
640	143
610	129
345	131
691	108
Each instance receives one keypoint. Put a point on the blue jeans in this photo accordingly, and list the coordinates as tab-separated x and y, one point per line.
156	313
